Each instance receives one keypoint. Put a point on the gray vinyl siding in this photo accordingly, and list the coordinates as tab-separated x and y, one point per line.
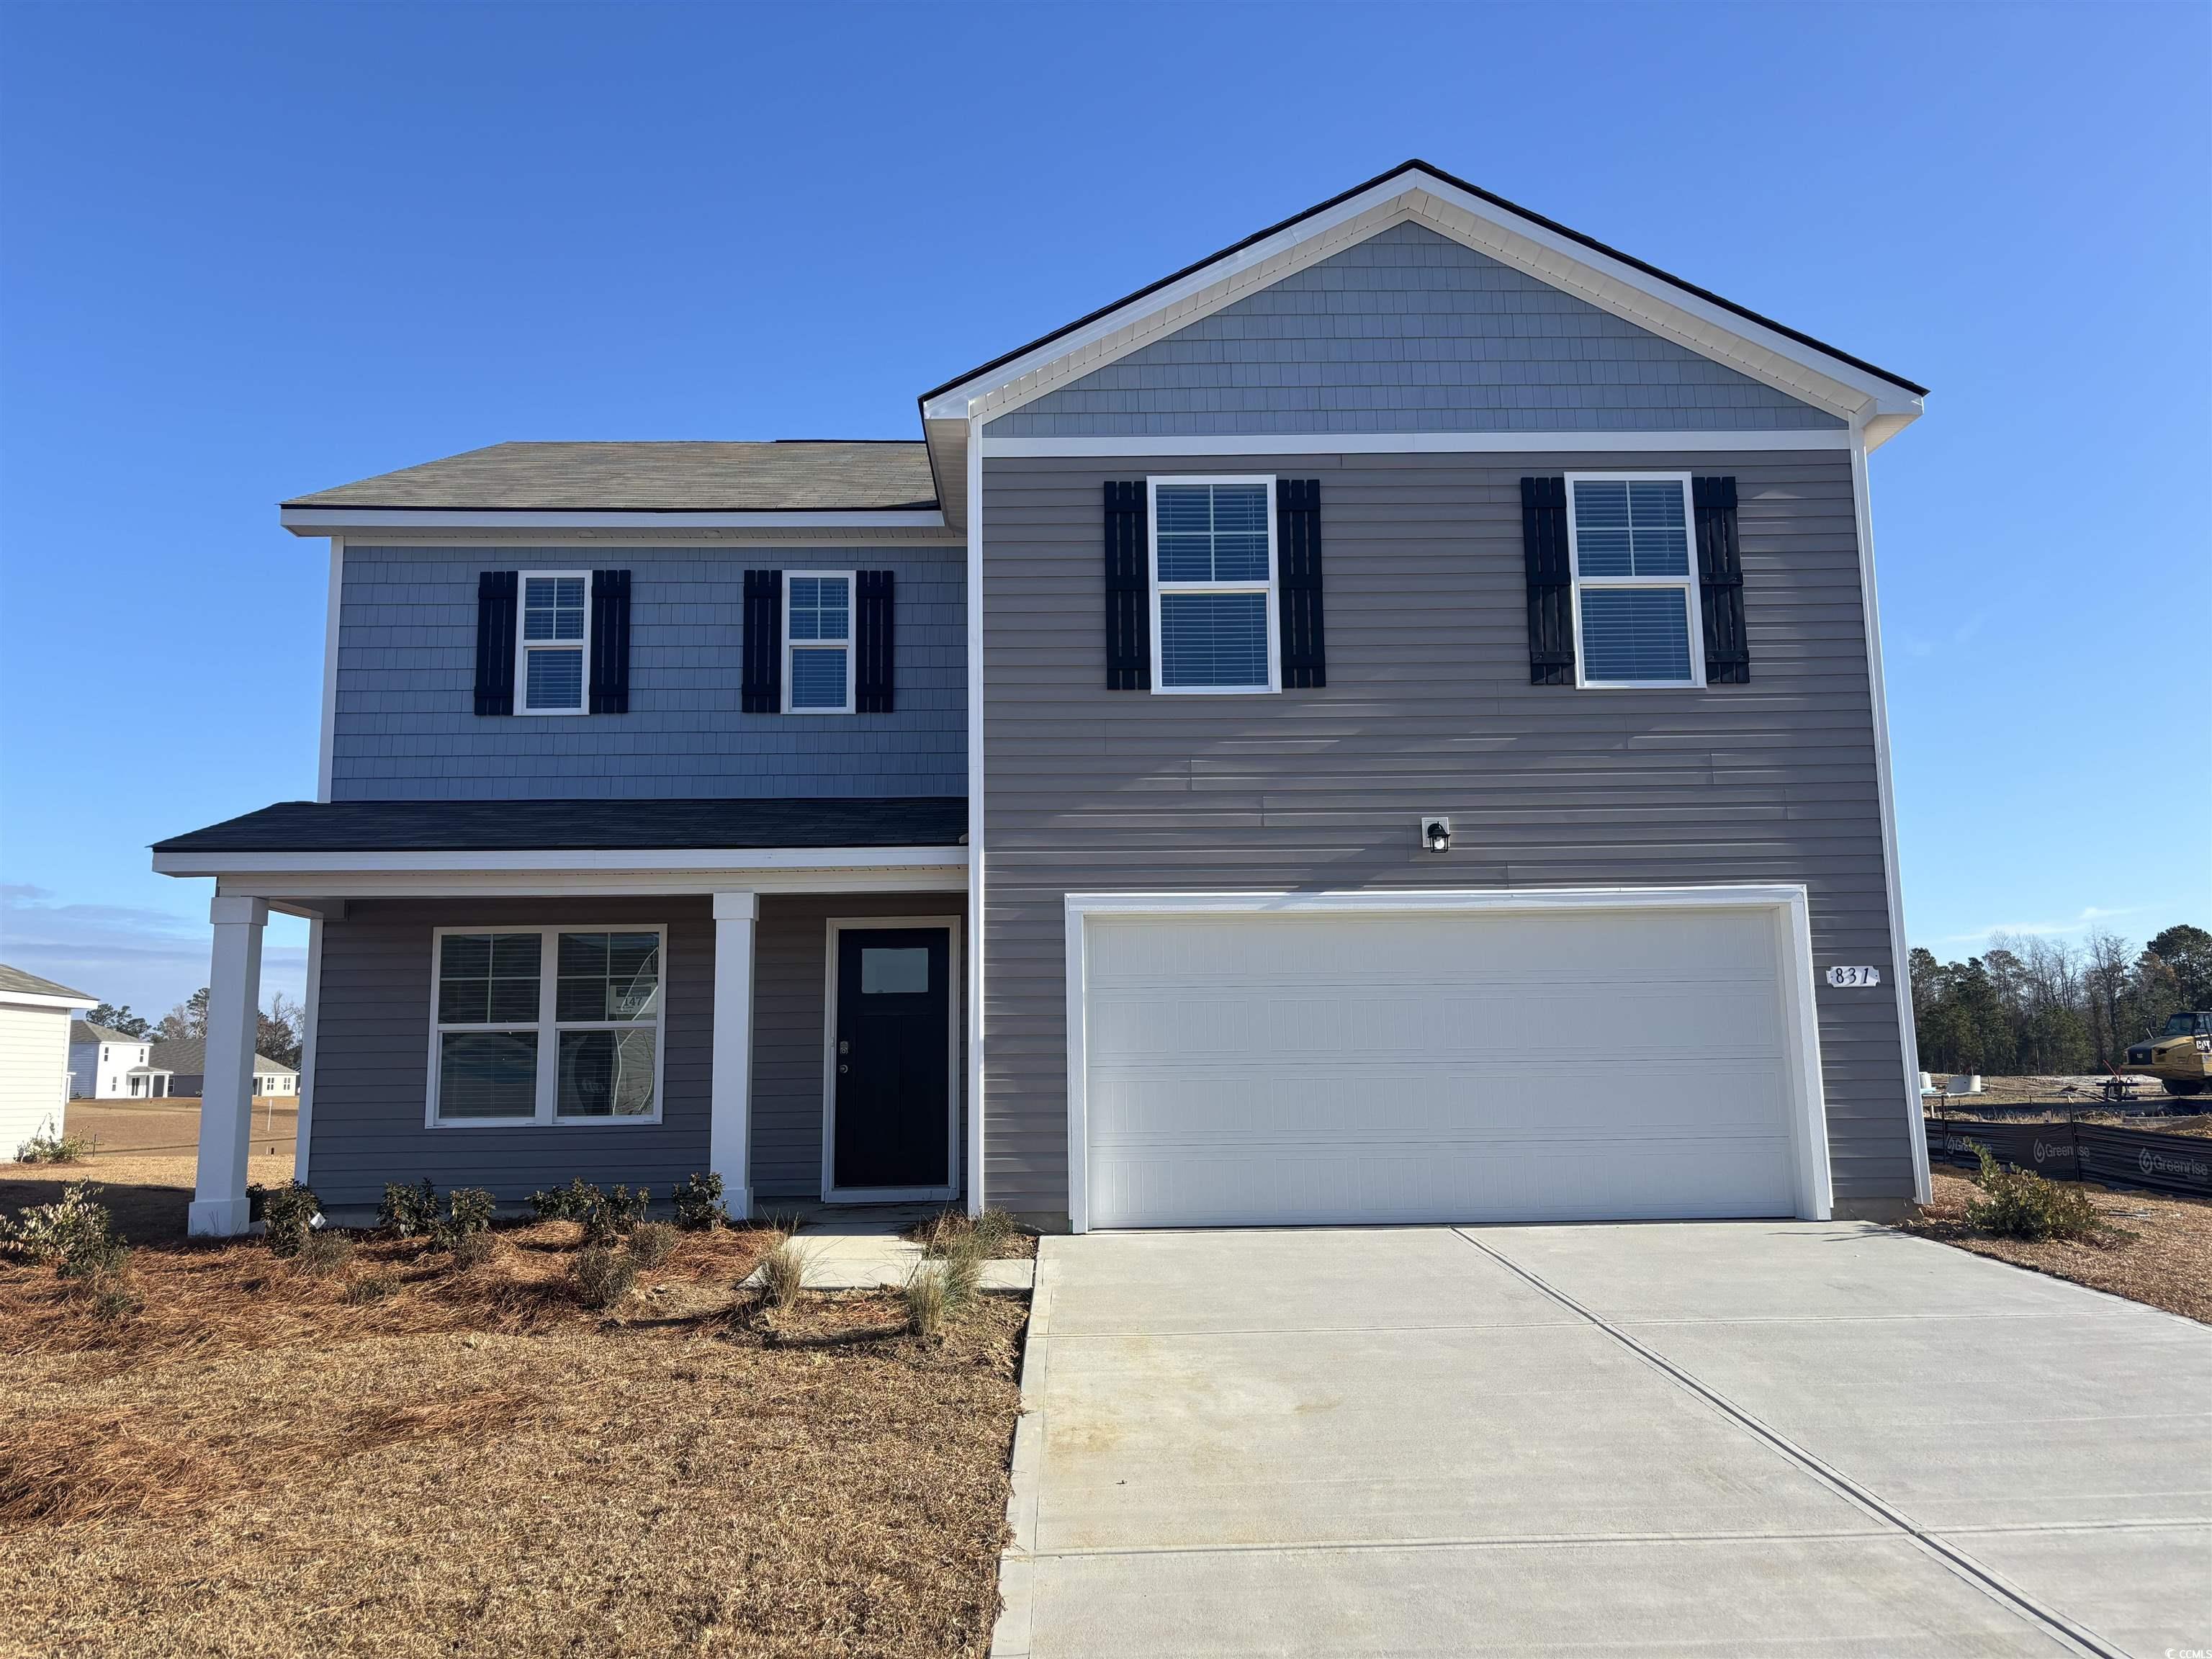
1408	332
373	1047
791	962
1428	708
406	727
372	1061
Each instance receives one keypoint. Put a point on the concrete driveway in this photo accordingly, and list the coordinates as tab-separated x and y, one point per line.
1739	1438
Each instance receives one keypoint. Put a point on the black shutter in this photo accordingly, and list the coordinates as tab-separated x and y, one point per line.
1128	599
1551	582
495	606
873	642
609	642
1298	572
1720	582
763	681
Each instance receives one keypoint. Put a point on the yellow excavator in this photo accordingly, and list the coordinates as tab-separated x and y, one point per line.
2180	1056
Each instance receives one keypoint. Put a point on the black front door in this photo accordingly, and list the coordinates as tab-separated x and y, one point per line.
894	1059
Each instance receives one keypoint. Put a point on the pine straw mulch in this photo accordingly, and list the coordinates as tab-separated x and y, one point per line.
475	1464
2150	1248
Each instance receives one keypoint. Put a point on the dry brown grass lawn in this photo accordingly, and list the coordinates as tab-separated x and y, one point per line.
261	1463
2151	1249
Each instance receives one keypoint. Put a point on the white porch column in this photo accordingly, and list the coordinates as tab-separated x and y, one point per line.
219	1205
730	1115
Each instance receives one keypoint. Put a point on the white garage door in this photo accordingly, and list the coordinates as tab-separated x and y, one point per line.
1470	1066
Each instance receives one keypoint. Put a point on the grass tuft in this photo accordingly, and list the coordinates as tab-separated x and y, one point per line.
651	1243
604	1275
783	1273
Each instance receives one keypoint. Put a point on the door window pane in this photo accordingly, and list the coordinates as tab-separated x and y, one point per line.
1636	633
894	972
484	979
1213	639
609	976
486	1074
606	1074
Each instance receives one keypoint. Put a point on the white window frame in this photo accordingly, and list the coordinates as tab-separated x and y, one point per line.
1156	586
1692	607
851	646
548	1027
523	646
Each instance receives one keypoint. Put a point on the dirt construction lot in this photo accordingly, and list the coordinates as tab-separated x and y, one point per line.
146	1155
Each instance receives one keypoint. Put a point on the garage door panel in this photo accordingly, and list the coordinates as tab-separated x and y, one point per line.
1340	1067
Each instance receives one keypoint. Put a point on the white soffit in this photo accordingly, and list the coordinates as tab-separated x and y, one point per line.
1651	303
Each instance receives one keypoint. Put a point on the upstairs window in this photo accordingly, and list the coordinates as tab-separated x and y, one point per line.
818	636
557	610
1213	585
1636	590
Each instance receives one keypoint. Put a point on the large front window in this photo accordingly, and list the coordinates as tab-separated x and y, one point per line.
556	623
517	1043
1213	585
1636	591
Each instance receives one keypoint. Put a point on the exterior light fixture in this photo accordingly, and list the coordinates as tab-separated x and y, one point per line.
1436	834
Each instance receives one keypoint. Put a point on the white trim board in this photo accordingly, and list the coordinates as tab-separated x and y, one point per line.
328	758
976	781
1420	443
326	894
40	1000
328	521
1650	303
1788	904
954	976
745	859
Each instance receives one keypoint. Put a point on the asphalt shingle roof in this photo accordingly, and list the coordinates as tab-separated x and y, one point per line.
187	1057
30	984
793	475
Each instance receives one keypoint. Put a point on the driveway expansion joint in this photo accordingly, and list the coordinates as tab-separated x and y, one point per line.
1964	1565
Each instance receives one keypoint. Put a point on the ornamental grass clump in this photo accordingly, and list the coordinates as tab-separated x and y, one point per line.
783	1274
603	1275
323	1254
650	1242
927	1300
2019	1204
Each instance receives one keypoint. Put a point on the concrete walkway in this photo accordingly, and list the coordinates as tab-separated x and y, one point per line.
856	1247
1739	1438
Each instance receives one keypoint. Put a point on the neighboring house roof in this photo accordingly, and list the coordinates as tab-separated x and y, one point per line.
187	1057
148	1071
791	475
299	826
83	1030
13	981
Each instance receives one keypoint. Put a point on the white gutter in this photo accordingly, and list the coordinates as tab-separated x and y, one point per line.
534	860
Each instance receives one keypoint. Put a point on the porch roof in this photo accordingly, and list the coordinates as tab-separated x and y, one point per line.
490	826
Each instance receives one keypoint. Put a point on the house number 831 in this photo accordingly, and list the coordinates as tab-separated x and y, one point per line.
1841	978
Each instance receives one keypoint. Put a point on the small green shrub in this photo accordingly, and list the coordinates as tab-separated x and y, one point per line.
113	1300
74	1236
409	1212
323	1253
371	1287
698	1200
52	1146
603	1276
926	1302
469	1212
473	1249
650	1242
606	1217
289	1216
783	1273
2020	1204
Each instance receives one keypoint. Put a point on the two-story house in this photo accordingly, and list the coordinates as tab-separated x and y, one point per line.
1384	724
105	1064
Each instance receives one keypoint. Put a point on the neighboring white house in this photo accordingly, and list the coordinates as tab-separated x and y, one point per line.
185	1062
110	1065
36	1017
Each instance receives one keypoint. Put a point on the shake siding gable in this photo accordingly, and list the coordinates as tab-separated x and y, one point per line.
406	727
1428	708
1409	331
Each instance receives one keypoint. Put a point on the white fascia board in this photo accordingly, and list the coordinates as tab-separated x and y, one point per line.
349	520
1420	443
533	861
39	999
1711	330
327	896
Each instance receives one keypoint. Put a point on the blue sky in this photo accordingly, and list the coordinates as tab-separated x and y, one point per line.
250	252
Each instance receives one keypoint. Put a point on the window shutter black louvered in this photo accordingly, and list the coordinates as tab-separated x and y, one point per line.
874	641
1298	572
609	642
1720	582
1551	582
1128	600
496	608
763	691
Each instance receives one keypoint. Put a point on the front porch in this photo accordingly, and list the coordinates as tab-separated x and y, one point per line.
792	1019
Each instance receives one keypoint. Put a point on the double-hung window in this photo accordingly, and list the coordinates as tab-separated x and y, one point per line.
557	610
546	1026
817	642
1637	621
1213	585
